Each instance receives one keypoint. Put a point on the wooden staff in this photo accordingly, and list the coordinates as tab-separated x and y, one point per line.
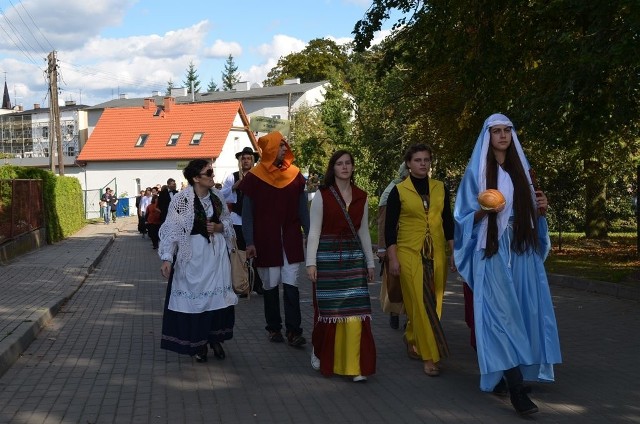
534	183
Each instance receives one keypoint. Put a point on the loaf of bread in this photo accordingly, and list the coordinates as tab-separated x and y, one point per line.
491	199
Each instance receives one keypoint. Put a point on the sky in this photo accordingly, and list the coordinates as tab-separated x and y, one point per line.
106	48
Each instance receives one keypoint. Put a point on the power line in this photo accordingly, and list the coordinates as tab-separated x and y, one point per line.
89	71
34	24
27	54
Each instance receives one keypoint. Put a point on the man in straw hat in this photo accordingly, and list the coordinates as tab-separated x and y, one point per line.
247	158
273	212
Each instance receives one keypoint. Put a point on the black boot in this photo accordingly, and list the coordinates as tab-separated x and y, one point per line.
521	402
394	321
519	398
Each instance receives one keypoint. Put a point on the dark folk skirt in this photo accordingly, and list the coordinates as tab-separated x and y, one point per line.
186	333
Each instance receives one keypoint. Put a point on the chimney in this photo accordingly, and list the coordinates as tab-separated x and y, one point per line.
155	93
69	102
178	92
36	105
122	96
149	103
168	104
242	86
292	81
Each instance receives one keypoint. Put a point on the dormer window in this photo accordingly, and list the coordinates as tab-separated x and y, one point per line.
158	111
173	140
141	140
195	140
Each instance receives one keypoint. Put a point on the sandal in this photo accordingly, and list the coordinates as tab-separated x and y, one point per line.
431	369
411	349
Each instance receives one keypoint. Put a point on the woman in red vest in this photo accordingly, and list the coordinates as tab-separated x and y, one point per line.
340	264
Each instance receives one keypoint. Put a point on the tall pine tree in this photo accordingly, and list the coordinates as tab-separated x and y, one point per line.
230	76
212	86
192	78
170	86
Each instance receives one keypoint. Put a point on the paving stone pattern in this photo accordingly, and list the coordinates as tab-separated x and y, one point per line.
99	361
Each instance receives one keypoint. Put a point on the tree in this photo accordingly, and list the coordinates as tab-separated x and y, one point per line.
230	74
319	131
321	59
192	79
569	84
212	86
170	87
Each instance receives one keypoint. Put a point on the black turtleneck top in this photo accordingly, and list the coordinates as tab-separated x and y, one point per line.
393	211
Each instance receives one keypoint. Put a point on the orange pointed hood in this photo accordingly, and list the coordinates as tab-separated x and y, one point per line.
281	176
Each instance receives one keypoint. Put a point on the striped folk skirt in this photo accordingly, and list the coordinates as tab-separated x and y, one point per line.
342	337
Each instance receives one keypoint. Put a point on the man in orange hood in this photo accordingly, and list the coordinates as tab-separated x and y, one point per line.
273	212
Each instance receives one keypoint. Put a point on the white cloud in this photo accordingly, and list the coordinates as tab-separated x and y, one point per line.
64	24
222	49
170	45
281	45
364	3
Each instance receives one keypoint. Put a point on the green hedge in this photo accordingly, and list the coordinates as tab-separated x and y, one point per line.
63	204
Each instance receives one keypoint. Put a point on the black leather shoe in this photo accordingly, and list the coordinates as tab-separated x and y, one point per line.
201	356
218	351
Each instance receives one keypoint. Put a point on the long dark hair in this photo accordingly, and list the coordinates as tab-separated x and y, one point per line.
330	174
525	225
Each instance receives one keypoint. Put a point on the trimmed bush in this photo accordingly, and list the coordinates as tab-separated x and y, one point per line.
63	204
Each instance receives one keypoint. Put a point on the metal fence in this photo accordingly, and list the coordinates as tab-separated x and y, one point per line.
21	208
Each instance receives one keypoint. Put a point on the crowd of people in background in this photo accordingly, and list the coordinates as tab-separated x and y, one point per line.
265	208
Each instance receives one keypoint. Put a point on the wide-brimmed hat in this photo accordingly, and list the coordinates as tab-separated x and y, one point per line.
248	151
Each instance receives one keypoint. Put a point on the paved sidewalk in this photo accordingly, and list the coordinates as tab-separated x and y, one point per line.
99	361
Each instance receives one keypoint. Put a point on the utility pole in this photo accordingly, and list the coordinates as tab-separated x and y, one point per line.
55	132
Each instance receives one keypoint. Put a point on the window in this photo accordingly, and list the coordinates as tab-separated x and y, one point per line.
158	111
70	129
196	138
173	140
275	116
141	140
71	151
45	132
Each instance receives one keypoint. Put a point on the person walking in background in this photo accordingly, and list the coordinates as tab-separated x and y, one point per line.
274	213
418	227
194	243
141	223
234	197
500	253
145	201
164	198
105	205
113	206
340	265
394	309
153	221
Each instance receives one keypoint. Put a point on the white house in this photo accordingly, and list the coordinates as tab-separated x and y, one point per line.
131	148
279	102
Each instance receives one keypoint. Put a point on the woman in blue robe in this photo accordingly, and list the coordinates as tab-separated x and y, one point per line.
500	254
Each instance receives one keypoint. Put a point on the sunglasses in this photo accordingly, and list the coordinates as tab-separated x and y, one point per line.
208	173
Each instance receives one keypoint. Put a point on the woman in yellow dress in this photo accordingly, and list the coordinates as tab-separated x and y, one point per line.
418	226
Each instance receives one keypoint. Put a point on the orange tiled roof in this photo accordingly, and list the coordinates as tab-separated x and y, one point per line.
117	131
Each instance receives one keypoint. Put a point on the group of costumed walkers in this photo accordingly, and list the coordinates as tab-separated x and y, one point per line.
497	248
